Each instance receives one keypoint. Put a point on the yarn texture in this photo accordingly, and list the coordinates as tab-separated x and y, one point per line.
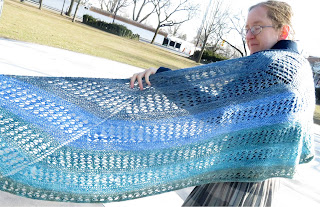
96	140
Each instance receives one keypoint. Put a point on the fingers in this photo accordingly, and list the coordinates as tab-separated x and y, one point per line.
149	72
133	79
139	79
139	76
146	77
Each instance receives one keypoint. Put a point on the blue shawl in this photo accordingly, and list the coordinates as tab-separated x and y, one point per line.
97	140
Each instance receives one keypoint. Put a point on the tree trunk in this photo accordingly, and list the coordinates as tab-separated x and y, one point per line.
75	13
40	4
202	50
136	18
244	47
155	34
70	8
134	10
114	17
63	7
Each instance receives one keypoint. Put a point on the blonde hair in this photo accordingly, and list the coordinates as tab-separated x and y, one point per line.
280	14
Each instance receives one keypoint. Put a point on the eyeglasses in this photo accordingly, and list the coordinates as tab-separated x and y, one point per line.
255	30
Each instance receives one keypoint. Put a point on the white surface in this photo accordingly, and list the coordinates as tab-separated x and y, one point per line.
170	199
21	58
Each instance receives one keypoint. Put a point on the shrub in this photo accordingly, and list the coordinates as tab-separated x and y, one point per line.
208	56
87	19
116	29
318	93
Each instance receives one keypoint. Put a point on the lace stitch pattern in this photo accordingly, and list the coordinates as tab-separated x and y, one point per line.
97	140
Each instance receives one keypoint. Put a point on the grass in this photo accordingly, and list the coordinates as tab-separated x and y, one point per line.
25	22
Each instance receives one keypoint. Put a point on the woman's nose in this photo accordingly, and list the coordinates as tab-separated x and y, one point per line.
249	35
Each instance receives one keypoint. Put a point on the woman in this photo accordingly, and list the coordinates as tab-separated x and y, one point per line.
235	124
268	27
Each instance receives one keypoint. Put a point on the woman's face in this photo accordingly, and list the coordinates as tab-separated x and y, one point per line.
267	37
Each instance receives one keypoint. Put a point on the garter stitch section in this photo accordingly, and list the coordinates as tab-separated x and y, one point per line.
97	140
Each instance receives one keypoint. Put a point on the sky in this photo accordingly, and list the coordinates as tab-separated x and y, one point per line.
305	21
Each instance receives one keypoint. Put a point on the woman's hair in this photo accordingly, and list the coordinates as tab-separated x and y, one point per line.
280	14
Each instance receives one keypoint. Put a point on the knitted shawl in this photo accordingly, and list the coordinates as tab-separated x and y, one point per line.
96	140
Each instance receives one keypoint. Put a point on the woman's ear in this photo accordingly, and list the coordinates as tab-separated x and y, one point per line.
284	32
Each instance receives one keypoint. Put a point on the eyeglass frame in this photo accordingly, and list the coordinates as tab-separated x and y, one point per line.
260	29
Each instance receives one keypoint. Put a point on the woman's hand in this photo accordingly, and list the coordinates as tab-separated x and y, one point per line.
138	77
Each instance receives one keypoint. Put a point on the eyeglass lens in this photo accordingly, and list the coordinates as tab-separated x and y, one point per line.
256	30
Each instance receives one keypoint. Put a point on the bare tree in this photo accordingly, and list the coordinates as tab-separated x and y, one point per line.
183	36
75	13
40	4
238	23
166	9
101	3
113	6
214	25
85	2
138	8
70	8
229	52
64	1
234	47
174	29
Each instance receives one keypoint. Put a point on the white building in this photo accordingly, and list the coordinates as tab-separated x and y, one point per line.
179	45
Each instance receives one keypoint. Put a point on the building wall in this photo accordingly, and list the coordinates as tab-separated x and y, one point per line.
185	47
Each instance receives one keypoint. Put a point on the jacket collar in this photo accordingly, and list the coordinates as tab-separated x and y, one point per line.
287	45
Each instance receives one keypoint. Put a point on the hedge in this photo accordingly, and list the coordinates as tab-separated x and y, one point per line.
116	29
208	56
